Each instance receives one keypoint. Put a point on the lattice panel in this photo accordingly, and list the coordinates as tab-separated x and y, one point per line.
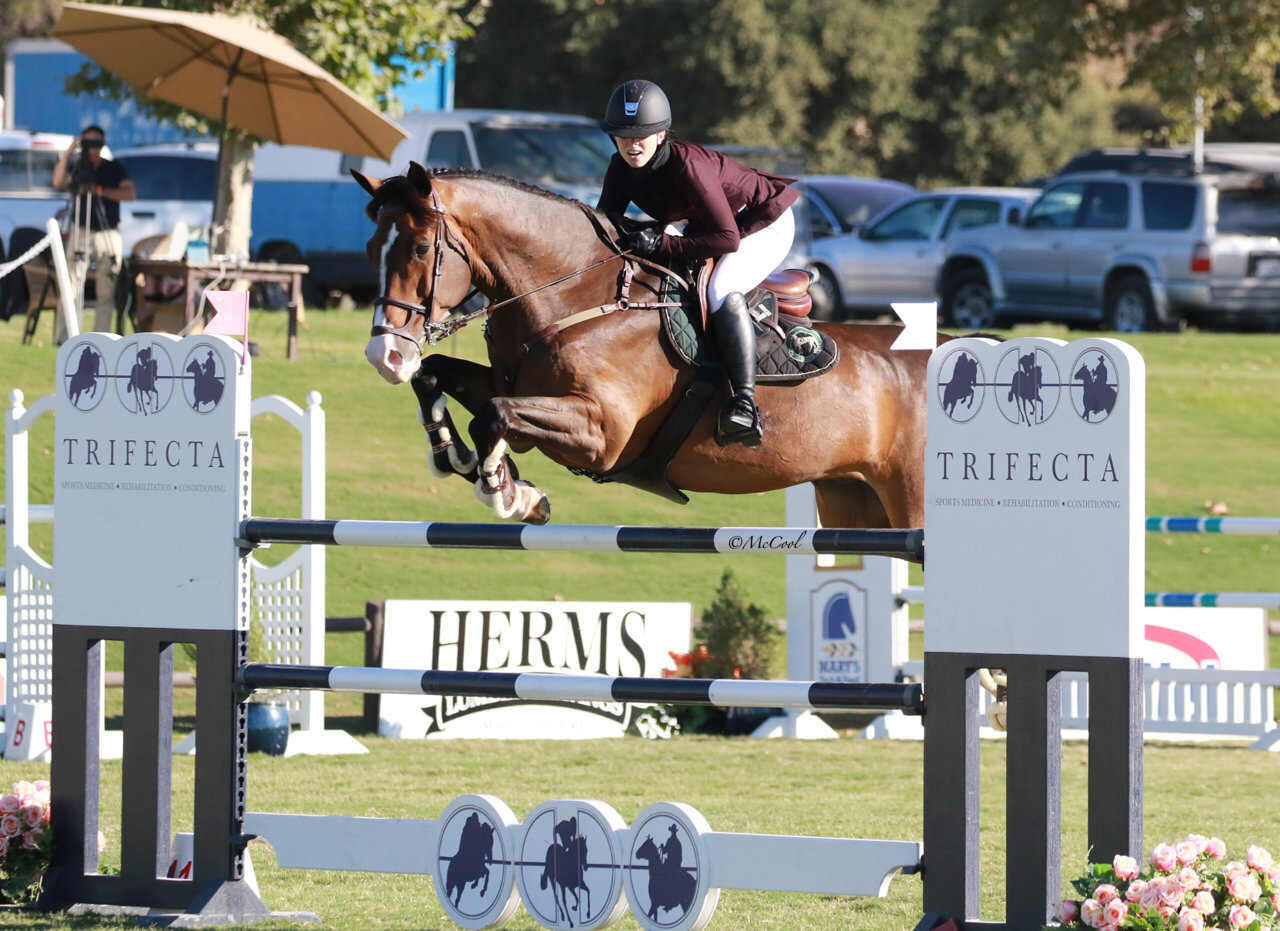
279	610
30	651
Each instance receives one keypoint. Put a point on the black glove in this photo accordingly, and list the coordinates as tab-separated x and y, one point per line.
641	242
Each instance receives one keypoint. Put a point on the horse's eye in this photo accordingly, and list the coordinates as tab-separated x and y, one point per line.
421	249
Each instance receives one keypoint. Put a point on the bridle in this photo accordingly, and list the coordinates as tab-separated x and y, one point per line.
433	332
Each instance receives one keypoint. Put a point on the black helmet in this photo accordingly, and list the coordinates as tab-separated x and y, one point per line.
636	108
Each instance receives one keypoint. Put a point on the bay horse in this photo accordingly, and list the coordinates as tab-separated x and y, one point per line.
590	391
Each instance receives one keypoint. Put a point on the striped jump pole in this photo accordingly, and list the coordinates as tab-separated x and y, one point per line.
1268	600
907	544
1248	526
724	693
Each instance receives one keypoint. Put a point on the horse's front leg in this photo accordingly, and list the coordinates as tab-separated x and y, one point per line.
569	430
469	383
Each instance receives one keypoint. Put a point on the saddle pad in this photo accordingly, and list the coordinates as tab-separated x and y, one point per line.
794	354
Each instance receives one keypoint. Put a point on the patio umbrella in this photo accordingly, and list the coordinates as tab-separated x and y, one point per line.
231	69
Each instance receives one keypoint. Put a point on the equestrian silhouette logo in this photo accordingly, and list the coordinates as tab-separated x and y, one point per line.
1093	388
570	865
144	378
204	379
663	849
1027	386
471	843
86	379
960	386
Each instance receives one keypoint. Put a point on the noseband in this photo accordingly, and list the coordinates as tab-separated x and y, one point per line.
431	332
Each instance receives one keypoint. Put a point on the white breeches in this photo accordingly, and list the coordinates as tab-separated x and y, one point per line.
757	256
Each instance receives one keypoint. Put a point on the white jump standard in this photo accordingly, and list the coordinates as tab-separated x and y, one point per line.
1056	532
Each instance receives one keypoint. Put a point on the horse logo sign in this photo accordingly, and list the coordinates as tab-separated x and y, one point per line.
144	378
473	873
1093	389
1027	386
960	386
668	872
570	864
204	379
84	385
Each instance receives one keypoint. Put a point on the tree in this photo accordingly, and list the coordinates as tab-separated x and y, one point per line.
369	47
1224	51
19	18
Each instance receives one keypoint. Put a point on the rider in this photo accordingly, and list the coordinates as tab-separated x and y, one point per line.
736	215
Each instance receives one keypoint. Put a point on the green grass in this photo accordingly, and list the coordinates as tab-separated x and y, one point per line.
1212	437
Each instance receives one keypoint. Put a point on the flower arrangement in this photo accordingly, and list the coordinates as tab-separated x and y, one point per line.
1188	886
25	841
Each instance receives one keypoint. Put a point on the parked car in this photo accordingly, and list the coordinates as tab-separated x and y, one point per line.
27	195
1130	251
895	257
1219	158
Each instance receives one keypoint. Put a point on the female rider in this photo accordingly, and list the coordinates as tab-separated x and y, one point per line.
736	215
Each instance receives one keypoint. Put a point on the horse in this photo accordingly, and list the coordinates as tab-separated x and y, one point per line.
1024	386
85	377
669	885
590	385
964	378
207	387
142	380
470	864
1099	397
563	869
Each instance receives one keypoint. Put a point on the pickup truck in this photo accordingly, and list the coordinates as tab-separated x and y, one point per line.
27	195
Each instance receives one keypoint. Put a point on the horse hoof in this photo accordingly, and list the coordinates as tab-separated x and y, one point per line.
540	514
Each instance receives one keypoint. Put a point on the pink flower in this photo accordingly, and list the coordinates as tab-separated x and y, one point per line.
1199	840
22	789
1241	916
32	815
1106	893
1273	874
1275	901
1163	857
1215	848
1105	925
1135	891
1188	878
1203	902
1233	869
1114	911
1190	920
1150	897
29	840
1125	867
10	825
1090	912
1166	912
1171	894
10	805
1067	911
1186	852
4	845
42	785
1259	859
1244	887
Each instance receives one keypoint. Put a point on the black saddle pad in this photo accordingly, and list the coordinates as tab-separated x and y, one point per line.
790	350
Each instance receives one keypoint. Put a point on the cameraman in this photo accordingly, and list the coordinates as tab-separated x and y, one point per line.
101	184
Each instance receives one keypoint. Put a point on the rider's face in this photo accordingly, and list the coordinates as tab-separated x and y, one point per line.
637	152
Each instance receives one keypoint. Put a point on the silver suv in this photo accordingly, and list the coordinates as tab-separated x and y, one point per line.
1132	251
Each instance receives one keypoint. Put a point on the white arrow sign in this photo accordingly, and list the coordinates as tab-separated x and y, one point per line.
921	325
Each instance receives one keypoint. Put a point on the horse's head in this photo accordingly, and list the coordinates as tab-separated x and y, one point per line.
423	267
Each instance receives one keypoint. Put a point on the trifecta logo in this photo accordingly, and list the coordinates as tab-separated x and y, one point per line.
144	378
1027	386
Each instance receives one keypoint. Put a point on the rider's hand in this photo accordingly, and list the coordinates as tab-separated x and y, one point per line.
641	242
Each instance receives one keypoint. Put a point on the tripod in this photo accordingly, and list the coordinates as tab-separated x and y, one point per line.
85	208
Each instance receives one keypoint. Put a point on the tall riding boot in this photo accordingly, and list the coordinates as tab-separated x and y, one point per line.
735	336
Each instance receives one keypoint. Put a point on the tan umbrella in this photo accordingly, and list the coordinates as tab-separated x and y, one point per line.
228	68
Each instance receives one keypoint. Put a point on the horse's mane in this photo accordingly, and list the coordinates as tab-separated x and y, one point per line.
401	192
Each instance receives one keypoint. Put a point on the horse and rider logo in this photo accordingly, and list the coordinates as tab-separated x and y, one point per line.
1027	385
569	872
144	377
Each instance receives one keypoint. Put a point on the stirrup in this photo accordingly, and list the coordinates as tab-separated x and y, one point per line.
733	425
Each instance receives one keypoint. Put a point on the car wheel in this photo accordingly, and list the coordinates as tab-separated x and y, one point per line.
1129	306
969	303
825	294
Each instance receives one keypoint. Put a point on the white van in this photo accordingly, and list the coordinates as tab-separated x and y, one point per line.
27	195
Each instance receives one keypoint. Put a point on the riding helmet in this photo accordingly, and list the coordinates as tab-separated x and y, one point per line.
636	108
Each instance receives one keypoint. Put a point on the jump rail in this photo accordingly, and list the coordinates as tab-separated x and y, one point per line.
724	693
1268	600
1251	526
908	544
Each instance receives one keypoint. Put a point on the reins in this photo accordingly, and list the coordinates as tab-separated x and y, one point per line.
433	332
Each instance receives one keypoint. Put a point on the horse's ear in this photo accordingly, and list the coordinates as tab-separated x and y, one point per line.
420	178
370	185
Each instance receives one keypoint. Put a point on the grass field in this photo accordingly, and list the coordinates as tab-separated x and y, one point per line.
1212	439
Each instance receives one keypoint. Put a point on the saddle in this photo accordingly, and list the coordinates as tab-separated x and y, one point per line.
788	349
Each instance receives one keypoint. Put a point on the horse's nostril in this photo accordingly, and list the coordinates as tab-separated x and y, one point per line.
394	359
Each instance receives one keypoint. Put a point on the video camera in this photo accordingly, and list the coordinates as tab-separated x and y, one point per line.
79	166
